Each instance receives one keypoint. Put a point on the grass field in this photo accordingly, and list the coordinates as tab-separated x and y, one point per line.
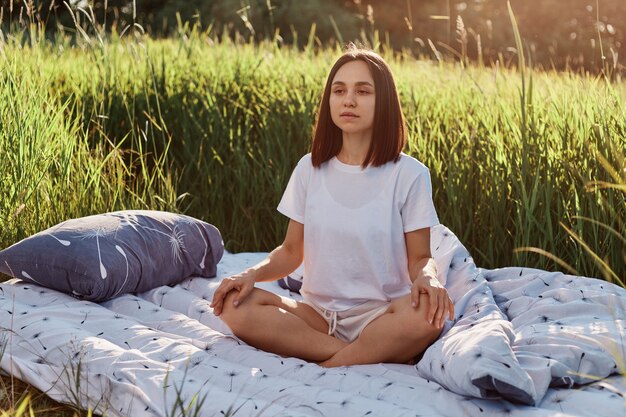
526	170
214	129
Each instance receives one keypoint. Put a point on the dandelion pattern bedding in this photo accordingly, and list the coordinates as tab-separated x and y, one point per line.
520	336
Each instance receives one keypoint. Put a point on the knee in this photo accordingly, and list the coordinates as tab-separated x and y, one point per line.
417	321
234	317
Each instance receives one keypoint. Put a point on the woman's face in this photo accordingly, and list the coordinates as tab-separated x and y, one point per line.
352	98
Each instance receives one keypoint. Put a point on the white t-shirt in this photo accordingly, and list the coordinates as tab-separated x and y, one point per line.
354	223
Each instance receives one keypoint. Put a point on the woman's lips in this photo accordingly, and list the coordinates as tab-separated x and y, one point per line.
348	115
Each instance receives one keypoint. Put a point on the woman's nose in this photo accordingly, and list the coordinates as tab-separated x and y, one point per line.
349	99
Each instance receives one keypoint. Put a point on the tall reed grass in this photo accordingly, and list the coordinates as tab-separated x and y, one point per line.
213	129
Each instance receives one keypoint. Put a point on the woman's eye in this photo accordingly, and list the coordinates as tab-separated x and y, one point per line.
363	92
338	91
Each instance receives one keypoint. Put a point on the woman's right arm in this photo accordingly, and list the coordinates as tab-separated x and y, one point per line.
280	262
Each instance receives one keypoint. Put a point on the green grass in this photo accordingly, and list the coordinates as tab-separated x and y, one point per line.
525	173
18	399
213	129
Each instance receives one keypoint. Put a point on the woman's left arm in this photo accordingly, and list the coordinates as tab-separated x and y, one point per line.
423	274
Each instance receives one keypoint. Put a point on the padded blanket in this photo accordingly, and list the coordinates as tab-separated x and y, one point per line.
520	345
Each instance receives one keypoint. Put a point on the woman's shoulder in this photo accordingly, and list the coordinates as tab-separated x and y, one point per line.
305	163
411	165
304	167
306	160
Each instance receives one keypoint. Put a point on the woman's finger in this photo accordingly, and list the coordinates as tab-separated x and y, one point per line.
243	290
415	296
444	309
217	307
441	308
434	303
218	297
451	307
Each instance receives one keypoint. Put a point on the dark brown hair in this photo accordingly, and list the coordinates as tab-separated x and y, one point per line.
389	133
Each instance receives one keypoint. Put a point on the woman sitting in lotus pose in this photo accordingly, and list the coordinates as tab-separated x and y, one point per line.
360	214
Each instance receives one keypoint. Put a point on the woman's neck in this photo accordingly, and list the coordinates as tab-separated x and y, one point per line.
354	148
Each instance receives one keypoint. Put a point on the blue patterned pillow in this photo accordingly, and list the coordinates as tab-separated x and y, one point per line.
102	256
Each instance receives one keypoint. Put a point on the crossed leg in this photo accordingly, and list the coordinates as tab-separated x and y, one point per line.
398	336
280	325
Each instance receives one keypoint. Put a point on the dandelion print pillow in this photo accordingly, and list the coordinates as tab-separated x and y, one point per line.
100	257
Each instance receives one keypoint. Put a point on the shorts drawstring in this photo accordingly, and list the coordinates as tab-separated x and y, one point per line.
347	325
331	317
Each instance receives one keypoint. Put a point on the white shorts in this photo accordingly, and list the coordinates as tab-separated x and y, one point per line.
347	325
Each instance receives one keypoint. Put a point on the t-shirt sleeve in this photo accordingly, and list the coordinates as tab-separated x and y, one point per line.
418	211
292	203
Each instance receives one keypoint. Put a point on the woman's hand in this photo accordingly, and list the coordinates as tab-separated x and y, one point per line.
423	273
279	263
440	302
243	283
